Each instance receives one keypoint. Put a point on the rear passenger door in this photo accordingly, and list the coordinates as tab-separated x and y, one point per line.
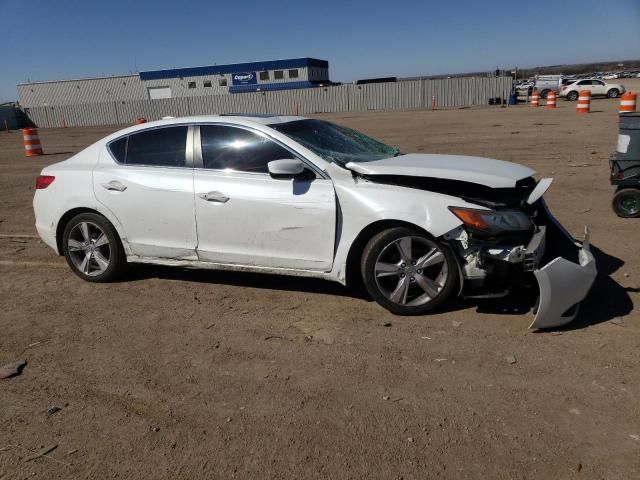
146	180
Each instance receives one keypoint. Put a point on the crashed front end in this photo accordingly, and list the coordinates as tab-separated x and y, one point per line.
505	246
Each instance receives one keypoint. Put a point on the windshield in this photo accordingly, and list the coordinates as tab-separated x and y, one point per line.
335	143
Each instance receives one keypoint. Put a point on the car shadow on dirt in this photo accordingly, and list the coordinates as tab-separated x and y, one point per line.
606	301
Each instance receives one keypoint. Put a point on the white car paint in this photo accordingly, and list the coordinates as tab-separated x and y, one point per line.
241	221
492	173
596	86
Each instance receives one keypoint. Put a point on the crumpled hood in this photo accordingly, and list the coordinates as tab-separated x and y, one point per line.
483	171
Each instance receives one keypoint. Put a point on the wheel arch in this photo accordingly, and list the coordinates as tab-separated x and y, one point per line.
69	214
352	271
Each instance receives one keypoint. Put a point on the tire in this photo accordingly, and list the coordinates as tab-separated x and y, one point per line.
544	93
572	96
93	249
397	281
613	93
626	203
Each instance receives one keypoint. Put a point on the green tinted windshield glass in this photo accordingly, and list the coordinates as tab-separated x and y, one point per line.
335	143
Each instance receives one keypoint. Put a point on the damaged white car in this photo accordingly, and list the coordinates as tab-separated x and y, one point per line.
306	197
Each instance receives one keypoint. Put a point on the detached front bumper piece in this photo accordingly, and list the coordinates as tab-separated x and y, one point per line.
566	280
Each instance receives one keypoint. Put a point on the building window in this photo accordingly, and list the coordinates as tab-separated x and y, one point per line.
191	85
207	84
278	74
264	75
222	82
293	73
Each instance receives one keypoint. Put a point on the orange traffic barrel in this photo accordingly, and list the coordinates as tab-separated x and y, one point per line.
584	102
551	99
140	121
32	145
535	98
628	103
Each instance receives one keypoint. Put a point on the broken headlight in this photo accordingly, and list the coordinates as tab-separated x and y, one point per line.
492	222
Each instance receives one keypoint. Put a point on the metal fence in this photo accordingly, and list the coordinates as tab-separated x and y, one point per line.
415	94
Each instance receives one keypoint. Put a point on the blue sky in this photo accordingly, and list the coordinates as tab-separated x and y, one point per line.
57	39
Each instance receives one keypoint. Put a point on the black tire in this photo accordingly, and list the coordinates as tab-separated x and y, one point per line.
413	277
613	93
626	202
544	93
572	96
111	250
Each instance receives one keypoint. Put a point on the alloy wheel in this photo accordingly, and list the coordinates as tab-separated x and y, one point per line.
89	249
411	271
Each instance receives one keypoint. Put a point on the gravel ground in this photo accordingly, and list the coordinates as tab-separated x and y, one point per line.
182	374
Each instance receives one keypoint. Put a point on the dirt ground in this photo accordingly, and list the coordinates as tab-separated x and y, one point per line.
176	374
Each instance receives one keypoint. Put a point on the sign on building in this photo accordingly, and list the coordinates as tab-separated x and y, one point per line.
244	78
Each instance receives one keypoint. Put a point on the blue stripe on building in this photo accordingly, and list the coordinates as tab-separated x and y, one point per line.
233	68
263	87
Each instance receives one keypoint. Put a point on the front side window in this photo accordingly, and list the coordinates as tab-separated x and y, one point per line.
163	147
335	143
231	148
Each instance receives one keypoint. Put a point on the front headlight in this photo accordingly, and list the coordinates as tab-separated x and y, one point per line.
493	221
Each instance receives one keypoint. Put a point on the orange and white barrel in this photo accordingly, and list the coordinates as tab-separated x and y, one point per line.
31	140
584	102
551	99
628	102
140	120
535	98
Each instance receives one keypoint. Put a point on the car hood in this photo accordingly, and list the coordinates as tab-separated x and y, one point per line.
482	171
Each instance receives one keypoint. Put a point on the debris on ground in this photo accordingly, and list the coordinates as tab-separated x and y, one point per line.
441	359
456	323
556	333
52	410
41	453
12	369
618	321
386	397
511	360
386	324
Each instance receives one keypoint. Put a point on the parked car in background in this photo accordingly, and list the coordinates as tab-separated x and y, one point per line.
595	86
306	197
610	76
547	83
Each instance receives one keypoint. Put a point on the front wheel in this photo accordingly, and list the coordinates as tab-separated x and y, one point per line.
407	271
613	93
92	248
626	203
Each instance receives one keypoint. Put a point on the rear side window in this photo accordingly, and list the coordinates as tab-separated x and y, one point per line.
119	149
163	147
231	148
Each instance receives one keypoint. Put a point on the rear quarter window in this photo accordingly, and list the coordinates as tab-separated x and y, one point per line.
119	149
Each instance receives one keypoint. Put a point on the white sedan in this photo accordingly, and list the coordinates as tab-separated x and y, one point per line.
597	87
306	197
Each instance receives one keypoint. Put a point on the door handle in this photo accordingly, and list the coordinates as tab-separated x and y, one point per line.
115	185
214	197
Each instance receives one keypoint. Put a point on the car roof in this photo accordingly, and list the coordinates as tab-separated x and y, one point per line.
246	119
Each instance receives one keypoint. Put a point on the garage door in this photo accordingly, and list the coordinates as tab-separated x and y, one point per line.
159	92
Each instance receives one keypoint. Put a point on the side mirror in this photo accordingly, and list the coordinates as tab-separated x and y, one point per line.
286	168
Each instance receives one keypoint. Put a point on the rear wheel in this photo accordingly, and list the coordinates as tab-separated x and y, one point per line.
613	93
407	271
544	93
573	96
626	203
92	248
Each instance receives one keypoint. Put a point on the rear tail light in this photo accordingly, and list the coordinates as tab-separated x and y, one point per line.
43	181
